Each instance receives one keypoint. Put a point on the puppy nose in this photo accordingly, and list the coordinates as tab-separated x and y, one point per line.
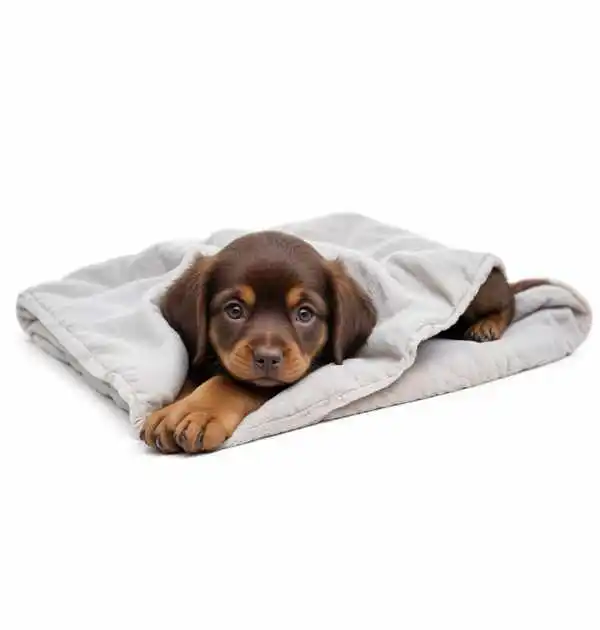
267	358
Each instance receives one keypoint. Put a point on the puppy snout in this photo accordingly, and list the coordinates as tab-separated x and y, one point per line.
267	359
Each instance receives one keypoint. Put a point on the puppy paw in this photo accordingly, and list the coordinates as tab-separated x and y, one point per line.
203	420
184	427
483	330
201	431
158	429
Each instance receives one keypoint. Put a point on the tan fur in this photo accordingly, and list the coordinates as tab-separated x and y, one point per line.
238	362
294	297
491	327
202	419
247	295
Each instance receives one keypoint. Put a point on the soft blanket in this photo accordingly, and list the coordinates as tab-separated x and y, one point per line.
104	321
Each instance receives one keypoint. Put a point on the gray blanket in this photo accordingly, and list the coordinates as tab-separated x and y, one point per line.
104	322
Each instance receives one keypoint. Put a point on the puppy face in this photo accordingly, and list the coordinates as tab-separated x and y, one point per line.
269	308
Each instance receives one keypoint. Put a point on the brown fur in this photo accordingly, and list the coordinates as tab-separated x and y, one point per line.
525	285
241	315
185	308
354	314
492	310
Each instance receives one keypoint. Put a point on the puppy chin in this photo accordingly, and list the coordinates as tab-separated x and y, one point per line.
262	382
267	382
259	382
247	377
283	381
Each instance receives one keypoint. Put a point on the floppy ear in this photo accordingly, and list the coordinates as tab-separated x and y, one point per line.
354	315
185	307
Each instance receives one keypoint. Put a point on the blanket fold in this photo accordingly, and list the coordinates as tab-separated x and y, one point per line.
104	322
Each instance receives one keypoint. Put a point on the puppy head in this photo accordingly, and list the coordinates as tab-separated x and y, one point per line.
270	308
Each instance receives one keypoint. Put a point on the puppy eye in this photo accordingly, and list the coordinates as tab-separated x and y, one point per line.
234	310
305	314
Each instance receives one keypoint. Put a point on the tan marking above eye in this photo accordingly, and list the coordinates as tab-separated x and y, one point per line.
247	294
294	296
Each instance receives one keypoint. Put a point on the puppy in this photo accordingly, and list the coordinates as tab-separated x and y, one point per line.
255	318
259	316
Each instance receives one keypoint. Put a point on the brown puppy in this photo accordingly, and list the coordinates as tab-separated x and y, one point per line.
255	318
260	315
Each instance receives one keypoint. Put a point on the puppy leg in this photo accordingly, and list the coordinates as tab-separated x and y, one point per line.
203	419
490	327
492	310
489	314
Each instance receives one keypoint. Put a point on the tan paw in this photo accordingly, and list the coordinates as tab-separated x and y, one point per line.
202	420
484	330
186	427
201	431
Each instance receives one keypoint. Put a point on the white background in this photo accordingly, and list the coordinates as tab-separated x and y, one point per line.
474	123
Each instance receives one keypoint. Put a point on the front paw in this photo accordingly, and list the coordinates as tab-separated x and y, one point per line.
184	427
201	431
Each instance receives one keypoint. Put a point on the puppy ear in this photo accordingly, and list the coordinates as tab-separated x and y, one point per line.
354	315
185	307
